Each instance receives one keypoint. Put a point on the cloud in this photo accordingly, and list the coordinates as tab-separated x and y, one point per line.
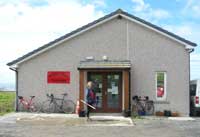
192	8
99	3
186	30
140	6
26	25
54	17
144	10
182	30
30	27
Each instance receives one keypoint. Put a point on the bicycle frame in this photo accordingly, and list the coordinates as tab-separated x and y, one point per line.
143	104
53	104
54	100
26	103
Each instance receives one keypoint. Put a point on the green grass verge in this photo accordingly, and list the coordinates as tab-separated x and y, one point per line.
7	102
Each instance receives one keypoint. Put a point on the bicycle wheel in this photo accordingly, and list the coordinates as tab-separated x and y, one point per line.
140	107
21	107
48	107
134	110
149	108
68	106
35	107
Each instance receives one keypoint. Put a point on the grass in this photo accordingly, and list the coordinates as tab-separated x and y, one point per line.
136	117
7	102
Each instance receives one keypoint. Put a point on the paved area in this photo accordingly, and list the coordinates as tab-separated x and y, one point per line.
66	119
10	127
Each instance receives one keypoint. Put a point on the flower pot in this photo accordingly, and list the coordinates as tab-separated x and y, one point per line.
159	113
175	114
167	113
141	113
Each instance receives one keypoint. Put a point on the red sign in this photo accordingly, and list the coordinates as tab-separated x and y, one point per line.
58	77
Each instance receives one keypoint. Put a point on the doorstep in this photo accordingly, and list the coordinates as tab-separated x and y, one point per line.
66	119
109	119
106	114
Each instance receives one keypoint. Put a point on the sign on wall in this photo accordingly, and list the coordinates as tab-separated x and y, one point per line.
58	77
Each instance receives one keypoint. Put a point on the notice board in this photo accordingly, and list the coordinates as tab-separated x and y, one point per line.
58	77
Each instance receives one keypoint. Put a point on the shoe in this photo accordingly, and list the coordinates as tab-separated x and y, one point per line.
89	119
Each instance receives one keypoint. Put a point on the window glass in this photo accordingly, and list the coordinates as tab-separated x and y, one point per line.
160	85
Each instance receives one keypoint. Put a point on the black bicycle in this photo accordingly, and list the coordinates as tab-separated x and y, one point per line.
143	106
58	105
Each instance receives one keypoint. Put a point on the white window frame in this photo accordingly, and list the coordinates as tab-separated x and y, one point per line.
165	86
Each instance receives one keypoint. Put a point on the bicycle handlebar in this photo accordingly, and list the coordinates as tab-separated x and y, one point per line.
51	95
20	97
137	98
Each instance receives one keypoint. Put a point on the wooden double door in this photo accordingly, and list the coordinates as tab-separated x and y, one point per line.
108	89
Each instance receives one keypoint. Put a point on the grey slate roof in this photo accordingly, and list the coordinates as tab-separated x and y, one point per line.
100	64
119	11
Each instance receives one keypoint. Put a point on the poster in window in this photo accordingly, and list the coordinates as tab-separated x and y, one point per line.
58	77
160	92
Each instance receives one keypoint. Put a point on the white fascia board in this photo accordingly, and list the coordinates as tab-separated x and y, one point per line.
14	66
160	32
189	47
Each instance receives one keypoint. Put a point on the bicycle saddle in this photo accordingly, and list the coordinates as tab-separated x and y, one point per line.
64	94
20	97
32	96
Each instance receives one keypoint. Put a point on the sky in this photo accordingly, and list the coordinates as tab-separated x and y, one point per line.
28	24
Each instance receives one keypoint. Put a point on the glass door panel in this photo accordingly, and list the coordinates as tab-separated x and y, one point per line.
108	89
113	91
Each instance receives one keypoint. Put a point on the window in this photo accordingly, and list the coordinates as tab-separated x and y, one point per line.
193	90
160	85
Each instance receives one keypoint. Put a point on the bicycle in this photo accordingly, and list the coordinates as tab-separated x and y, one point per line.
27	105
51	105
143	106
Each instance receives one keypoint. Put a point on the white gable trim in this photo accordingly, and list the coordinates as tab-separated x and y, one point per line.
97	24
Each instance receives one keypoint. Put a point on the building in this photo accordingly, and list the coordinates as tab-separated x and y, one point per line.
122	54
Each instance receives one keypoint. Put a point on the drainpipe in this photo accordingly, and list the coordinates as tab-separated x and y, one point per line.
16	88
189	51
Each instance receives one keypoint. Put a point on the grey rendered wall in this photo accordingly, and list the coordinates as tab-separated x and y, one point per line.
107	39
149	52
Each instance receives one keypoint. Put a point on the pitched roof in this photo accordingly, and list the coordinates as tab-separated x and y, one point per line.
117	12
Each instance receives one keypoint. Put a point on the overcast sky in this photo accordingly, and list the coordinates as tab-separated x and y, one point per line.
29	24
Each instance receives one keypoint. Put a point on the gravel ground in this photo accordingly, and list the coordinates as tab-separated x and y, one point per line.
142	128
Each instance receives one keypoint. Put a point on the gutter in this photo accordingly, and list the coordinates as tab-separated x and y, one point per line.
190	50
16	87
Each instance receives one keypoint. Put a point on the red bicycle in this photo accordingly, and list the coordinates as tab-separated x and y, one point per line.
27	105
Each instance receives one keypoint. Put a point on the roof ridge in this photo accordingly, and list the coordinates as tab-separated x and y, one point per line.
118	11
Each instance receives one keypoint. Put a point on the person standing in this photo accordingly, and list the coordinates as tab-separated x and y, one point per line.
90	97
